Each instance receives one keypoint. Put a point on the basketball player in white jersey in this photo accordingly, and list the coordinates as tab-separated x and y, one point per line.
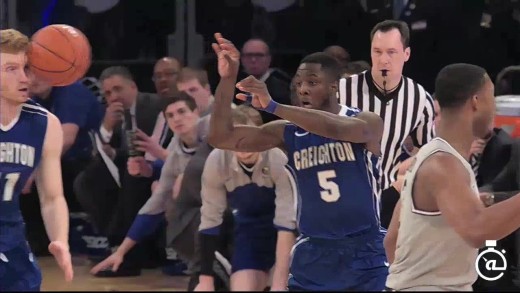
440	220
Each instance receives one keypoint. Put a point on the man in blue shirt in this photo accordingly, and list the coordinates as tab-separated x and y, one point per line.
79	112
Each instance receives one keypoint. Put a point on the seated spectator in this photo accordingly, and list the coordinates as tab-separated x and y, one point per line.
183	118
355	67
107	192
256	61
339	53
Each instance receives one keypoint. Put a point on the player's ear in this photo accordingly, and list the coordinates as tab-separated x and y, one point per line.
334	86
474	102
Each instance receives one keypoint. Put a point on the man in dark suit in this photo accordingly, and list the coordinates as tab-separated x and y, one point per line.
110	195
490	157
256	61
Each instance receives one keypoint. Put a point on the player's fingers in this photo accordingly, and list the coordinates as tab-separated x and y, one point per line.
100	266
217	35
245	97
115	266
216	48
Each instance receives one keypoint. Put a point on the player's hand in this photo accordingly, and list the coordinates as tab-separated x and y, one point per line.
228	56
205	284
28	184
278	289
138	166
113	115
258	90
154	185
477	147
146	144
487	198
113	262
61	253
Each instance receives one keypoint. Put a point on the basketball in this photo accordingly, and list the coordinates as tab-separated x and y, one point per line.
60	54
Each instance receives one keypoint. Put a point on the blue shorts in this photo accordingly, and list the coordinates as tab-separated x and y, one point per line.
254	247
354	263
19	270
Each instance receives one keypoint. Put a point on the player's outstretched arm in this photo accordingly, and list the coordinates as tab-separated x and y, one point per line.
223	134
148	218
454	197
54	208
366	127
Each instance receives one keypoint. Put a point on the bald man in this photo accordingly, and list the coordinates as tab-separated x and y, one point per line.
165	74
256	60
339	53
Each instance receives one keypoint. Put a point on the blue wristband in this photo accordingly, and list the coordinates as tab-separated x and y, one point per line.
271	107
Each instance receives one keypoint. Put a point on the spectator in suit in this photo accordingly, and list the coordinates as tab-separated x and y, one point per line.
256	61
506	151
105	189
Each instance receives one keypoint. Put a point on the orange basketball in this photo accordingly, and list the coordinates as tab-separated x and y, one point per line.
59	54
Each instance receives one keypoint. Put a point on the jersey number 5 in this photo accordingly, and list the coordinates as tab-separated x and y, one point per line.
10	183
330	192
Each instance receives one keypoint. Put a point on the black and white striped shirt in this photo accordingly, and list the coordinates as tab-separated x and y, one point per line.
407	111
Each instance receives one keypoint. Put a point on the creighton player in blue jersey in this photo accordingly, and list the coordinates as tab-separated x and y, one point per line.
332	153
30	139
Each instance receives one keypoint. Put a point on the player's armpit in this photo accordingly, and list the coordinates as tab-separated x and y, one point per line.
460	204
251	138
390	242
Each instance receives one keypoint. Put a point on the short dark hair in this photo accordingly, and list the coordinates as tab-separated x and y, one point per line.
457	83
181	96
389	25
116	70
328	63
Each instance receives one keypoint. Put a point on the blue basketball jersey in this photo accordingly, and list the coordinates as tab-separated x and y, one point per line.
337	181
21	146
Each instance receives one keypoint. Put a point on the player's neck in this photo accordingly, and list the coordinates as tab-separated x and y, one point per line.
9	111
459	137
190	139
388	82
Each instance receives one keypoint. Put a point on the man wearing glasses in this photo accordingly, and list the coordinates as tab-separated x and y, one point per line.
256	61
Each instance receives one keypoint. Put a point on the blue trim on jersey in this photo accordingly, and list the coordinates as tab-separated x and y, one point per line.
212	231
144	225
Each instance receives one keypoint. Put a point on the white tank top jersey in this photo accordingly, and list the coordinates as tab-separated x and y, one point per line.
430	255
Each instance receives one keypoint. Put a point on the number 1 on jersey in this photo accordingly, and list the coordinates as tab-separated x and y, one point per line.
330	192
10	183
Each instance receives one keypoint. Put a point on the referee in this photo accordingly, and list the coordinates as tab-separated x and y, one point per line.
403	104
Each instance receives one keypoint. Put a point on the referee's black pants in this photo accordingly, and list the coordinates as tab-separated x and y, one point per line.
389	198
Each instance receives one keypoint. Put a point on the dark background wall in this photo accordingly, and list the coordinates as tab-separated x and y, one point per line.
134	32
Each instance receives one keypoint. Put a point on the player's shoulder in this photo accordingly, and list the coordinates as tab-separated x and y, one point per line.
276	156
217	158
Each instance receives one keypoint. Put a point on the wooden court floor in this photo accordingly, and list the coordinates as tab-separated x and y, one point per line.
150	279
